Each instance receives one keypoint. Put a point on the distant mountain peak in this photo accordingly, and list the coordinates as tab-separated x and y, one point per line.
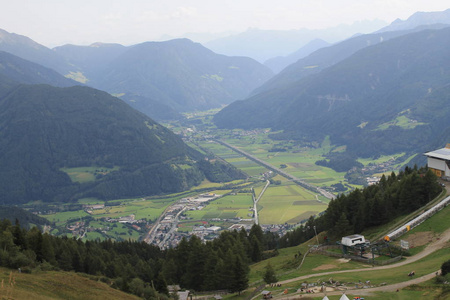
419	19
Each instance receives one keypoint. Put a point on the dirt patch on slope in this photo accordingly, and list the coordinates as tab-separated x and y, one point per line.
324	267
420	238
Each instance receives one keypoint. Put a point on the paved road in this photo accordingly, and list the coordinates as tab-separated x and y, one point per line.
279	171
255	202
434	246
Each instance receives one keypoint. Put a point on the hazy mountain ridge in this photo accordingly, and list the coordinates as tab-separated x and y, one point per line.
27	72
28	49
265	44
328	56
179	73
182	74
369	88
90	60
277	64
419	19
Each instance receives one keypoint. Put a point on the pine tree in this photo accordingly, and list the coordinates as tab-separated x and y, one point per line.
342	226
240	276
256	254
269	275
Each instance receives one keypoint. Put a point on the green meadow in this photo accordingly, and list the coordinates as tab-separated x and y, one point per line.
400	121
231	206
87	174
288	203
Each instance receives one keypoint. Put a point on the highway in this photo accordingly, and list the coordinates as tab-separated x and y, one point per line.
279	171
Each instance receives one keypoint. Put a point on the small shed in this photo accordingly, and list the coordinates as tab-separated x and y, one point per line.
183	295
353	240
266	294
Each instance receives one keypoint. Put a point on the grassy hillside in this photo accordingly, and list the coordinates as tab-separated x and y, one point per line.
55	285
287	262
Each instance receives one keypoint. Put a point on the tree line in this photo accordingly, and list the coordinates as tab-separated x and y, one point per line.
137	267
393	196
220	264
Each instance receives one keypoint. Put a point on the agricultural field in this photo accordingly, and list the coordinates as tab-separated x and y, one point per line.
288	203
94	221
292	158
141	209
227	207
249	167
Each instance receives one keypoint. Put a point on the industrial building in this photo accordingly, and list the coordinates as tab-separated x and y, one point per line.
438	161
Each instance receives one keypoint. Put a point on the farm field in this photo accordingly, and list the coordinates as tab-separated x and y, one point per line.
236	159
288	203
227	207
298	161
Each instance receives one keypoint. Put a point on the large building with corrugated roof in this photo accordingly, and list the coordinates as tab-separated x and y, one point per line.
439	161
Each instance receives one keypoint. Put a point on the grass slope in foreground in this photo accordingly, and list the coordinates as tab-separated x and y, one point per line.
56	285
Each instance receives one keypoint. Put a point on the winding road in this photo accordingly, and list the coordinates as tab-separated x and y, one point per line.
434	246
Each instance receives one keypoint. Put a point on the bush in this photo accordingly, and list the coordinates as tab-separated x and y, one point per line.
445	268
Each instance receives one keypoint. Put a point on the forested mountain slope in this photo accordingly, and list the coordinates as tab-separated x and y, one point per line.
90	60
181	74
48	131
27	72
363	100
28	49
328	56
278	63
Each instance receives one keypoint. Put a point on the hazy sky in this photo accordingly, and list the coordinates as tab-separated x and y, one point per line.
82	22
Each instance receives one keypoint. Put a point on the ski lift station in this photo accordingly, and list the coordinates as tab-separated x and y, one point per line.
438	161
353	240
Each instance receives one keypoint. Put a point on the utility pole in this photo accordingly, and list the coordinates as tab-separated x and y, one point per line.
317	239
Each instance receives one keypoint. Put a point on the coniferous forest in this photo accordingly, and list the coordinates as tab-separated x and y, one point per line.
221	264
374	205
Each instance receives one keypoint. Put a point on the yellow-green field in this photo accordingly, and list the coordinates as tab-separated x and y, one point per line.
232	206
288	203
149	209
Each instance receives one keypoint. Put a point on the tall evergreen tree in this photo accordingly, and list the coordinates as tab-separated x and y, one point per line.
240	276
269	274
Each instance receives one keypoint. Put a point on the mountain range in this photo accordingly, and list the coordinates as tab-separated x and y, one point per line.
181	74
262	45
328	56
374	101
49	133
154	77
278	63
419	19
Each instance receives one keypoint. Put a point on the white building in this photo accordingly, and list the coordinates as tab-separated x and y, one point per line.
439	161
353	240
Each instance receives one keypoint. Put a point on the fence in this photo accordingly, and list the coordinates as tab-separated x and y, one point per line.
324	251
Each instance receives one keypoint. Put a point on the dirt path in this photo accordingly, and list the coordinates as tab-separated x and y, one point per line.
434	246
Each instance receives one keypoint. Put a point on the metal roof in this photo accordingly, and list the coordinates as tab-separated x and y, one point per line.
443	153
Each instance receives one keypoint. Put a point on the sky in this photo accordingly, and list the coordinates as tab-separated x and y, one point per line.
83	22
